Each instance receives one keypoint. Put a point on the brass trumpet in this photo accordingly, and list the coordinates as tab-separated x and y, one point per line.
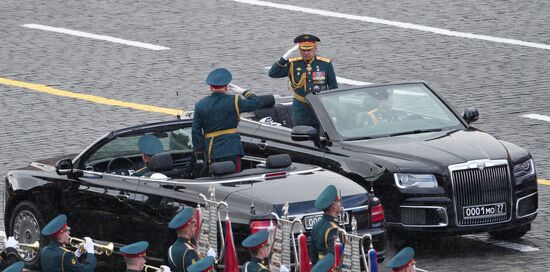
100	249
150	268
34	246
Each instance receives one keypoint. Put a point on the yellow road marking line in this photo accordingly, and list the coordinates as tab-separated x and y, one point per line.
544	181
88	97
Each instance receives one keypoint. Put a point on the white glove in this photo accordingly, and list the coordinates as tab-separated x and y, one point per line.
89	245
11	242
287	54
283	268
236	88
165	268
212	252
78	253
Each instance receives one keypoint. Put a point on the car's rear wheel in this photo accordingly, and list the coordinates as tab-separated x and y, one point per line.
25	225
511	234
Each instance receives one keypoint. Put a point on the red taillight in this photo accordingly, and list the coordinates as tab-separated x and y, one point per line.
257	225
275	175
377	213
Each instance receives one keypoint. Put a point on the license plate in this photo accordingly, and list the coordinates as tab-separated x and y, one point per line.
309	221
481	211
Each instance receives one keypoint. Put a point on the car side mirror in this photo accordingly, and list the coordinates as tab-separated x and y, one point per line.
470	115
304	133
64	167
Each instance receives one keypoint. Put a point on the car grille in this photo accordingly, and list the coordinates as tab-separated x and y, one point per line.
487	184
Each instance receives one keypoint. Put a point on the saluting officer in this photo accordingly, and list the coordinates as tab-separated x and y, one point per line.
325	230
9	255
203	265
215	120
16	267
324	265
183	252
308	74
54	258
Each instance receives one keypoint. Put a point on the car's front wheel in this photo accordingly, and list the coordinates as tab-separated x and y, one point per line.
511	234
25	225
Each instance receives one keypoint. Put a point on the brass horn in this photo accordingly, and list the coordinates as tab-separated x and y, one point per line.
150	268
34	246
100	249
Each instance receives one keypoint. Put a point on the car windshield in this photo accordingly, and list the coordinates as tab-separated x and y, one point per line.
385	111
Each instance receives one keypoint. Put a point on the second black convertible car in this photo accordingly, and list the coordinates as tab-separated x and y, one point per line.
432	170
104	201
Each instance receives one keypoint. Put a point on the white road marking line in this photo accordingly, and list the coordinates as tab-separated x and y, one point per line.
95	36
501	243
368	19
537	117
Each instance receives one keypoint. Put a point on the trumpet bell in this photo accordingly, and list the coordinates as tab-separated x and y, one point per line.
34	246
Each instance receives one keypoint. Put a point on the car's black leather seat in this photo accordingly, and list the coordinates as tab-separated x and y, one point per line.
279	113
163	163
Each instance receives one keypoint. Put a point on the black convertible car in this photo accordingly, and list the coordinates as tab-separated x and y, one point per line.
433	171
103	201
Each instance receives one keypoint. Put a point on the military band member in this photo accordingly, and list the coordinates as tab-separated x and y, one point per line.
183	253
308	74
203	265
324	265
403	261
16	267
134	257
325	230
54	258
258	247
9	255
215	120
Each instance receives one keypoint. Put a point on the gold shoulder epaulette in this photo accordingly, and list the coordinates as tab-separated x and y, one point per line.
323	59
295	59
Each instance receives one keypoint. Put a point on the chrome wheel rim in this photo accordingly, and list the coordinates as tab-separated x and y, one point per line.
26	230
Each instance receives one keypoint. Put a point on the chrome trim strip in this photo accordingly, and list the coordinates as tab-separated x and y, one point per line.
472	165
428	207
517	206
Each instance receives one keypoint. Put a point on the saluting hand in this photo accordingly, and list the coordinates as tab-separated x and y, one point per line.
287	54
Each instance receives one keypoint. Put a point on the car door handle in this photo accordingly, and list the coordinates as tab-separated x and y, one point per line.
122	196
262	145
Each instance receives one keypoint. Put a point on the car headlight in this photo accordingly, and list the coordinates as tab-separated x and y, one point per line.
404	180
524	169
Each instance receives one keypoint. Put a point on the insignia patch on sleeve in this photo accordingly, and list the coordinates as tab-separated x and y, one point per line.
73	261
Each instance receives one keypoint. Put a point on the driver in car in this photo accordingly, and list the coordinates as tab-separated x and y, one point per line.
149	145
378	109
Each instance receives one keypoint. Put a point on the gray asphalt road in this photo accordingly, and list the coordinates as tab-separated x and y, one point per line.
502	80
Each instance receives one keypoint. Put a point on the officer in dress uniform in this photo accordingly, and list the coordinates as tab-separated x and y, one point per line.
9	255
149	145
308	74
203	265
16	267
54	258
324	265
183	252
325	230
215	120
403	261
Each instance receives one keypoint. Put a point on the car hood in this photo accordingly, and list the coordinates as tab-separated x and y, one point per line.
429	152
299	191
